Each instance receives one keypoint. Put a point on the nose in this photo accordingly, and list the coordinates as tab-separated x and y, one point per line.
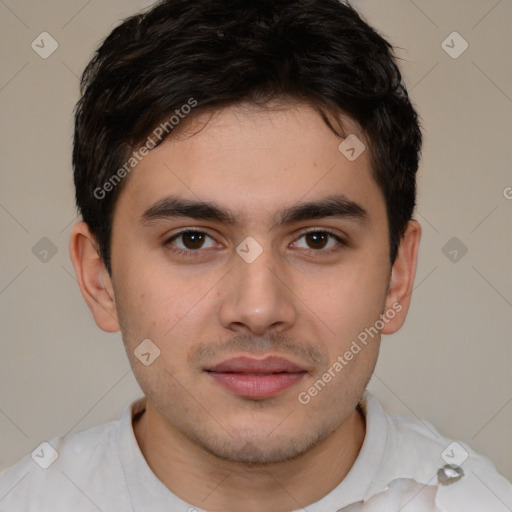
258	296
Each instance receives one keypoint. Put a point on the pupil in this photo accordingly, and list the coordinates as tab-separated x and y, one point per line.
196	240
316	238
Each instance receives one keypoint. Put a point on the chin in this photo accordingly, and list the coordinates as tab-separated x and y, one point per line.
259	449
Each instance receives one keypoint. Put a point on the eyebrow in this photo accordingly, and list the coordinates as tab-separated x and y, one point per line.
336	206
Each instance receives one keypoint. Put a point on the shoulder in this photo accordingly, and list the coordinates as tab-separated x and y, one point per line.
60	474
466	481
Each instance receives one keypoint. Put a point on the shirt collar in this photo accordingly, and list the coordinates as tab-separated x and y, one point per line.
365	477
146	490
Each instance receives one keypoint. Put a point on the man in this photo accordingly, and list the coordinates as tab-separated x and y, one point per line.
246	175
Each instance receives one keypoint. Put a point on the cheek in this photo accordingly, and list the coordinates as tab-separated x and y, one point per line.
142	299
164	306
349	298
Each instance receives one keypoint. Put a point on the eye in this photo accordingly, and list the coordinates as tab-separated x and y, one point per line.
319	240
191	241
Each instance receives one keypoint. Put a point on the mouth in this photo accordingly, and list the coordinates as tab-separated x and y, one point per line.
248	377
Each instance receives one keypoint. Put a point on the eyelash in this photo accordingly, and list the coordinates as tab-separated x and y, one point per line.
198	252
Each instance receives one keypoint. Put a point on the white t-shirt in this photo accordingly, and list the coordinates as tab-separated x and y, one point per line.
404	465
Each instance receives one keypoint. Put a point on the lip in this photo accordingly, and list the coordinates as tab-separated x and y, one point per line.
244	364
253	378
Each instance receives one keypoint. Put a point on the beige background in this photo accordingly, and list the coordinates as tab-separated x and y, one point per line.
450	364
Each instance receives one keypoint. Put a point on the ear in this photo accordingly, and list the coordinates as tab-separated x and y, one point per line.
93	278
401	281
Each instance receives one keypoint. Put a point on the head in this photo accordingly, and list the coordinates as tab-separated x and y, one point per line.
228	122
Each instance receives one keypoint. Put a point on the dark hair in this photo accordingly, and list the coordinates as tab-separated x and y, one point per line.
220	53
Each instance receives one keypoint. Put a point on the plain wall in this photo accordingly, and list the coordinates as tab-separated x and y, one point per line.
451	362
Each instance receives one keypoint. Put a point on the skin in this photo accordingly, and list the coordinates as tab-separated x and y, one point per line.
303	299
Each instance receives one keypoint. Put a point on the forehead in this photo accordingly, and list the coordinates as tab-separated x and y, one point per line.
257	160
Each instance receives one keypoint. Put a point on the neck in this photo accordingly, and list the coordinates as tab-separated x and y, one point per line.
207	482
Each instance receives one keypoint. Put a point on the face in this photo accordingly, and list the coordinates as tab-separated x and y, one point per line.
252	297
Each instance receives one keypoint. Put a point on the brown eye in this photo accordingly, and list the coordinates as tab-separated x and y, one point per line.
191	241
319	240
